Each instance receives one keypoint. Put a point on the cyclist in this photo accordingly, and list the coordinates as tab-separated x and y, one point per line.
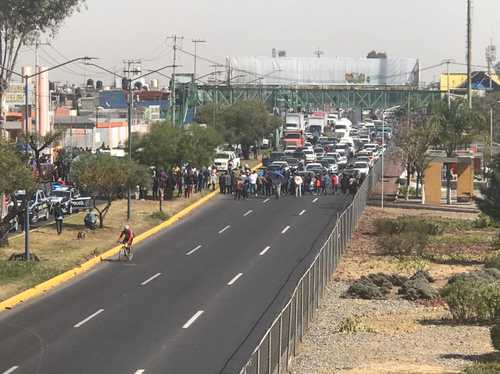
126	238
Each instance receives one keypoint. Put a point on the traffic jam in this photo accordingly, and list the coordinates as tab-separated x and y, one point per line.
327	151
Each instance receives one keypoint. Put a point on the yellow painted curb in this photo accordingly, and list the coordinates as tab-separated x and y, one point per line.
39	289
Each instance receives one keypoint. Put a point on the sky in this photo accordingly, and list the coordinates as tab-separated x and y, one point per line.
115	30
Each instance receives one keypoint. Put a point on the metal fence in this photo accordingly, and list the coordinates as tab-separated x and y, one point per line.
276	349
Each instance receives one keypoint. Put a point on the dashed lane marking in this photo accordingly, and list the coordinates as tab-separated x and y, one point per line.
285	229
88	318
301	213
248	213
11	370
233	281
224	229
150	279
193	250
192	319
264	251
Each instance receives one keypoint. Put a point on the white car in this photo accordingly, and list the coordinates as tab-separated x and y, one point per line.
362	166
309	155
314	166
224	159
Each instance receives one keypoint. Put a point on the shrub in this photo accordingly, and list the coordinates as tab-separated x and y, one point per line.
495	335
408	224
366	289
418	287
493	262
483	221
496	243
473	297
489	368
405	244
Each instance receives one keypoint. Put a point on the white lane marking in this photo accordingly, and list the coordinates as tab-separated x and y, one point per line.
285	229
192	319
150	279
224	229
140	371
193	250
11	370
301	213
316	199
264	251
265	201
233	281
248	213
89	318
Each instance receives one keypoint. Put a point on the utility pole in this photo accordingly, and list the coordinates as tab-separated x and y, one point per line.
469	52
448	62
173	102
215	99
196	42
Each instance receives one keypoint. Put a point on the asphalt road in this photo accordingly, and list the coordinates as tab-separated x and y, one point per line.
194	299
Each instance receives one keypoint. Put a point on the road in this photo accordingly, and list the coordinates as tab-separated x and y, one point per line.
193	297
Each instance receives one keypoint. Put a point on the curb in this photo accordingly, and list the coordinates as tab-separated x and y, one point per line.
46	286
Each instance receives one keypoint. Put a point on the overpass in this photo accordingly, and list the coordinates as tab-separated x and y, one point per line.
310	98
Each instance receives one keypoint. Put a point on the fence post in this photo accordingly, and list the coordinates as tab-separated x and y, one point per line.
258	360
280	341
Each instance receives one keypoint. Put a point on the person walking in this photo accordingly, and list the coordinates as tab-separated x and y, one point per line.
59	217
298	181
335	182
252	178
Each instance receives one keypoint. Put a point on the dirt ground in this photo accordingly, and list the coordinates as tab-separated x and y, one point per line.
395	335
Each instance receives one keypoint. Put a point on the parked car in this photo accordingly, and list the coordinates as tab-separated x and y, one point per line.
315	167
224	159
330	164
38	205
362	166
70	200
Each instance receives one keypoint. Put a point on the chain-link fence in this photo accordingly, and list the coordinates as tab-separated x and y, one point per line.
279	344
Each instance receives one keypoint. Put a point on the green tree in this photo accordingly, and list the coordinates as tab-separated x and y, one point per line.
245	123
490	202
15	176
38	144
166	145
21	21
106	177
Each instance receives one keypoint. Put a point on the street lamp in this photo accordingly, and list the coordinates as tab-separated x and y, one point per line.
26	78
129	116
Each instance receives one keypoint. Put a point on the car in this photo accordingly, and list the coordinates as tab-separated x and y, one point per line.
225	159
343	149
364	159
283	165
362	166
69	198
278	156
299	155
330	164
315	167
293	162
289	152
319	151
308	145
309	155
38	205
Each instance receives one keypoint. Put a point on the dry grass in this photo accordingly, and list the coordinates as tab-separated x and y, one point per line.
59	253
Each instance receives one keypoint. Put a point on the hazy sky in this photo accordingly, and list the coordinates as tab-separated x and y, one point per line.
113	30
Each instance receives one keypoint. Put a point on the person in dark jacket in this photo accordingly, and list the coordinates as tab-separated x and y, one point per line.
59	217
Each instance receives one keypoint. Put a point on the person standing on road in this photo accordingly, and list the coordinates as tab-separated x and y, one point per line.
253	183
335	182
58	216
298	185
325	184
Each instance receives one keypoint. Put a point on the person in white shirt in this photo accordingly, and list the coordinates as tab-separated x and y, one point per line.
298	185
253	183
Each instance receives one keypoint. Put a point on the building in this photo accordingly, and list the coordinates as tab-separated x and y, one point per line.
314	71
481	81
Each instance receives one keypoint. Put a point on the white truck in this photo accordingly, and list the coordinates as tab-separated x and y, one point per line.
224	159
317	126
295	122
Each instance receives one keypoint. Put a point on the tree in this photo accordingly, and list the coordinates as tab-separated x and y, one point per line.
245	123
38	144
490	203
21	21
166	145
106	177
15	176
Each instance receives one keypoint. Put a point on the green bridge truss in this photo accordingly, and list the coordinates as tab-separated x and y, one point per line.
316	98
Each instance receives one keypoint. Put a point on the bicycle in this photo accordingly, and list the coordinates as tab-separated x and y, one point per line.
126	251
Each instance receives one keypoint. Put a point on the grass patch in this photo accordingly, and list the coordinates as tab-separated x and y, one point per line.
36	272
159	216
479	368
352	325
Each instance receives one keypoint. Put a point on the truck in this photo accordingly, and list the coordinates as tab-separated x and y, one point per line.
70	200
294	138
317	125
295	121
225	159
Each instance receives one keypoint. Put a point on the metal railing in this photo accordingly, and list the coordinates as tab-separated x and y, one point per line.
279	344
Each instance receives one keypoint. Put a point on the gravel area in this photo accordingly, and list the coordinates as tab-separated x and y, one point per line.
392	336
